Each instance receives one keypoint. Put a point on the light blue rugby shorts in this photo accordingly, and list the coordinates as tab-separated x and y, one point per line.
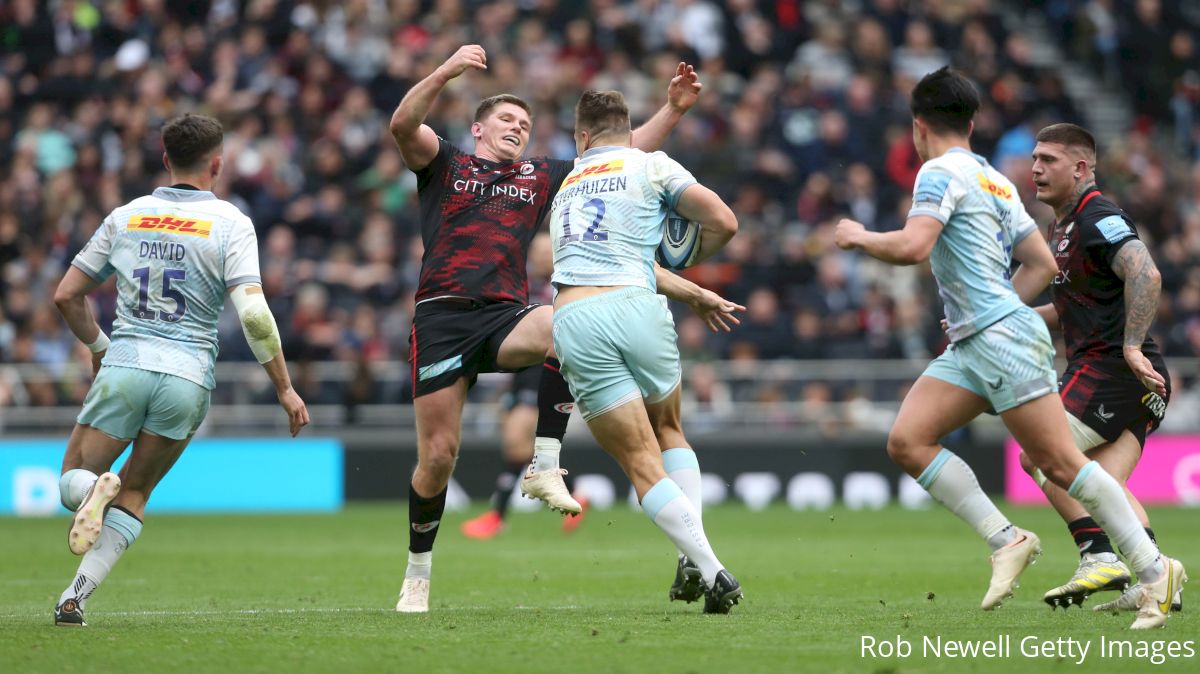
1008	363
616	347
125	400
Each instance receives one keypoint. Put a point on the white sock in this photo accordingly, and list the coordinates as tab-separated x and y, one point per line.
951	482
670	510
120	531
1105	501
545	453
74	486
420	565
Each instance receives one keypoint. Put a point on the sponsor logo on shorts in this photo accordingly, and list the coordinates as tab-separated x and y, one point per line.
1156	405
996	384
425	527
1104	416
565	408
171	225
440	367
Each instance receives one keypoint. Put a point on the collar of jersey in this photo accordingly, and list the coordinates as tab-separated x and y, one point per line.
183	194
592	152
978	158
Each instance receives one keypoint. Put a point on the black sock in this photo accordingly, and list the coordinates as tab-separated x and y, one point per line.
505	483
1088	535
424	516
1150	533
554	402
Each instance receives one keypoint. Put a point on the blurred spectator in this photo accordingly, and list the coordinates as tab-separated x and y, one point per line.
804	118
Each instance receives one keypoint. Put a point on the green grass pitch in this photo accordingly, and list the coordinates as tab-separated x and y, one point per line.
311	593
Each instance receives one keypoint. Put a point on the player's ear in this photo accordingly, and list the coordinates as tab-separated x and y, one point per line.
167	162
476	130
215	165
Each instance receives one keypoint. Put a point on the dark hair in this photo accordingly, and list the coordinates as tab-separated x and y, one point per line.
945	100
601	113
486	105
1070	135
189	139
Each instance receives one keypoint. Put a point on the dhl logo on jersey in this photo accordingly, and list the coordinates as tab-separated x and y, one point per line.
170	224
595	170
995	190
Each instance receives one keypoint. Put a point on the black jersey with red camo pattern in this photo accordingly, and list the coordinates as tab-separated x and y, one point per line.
477	220
1087	294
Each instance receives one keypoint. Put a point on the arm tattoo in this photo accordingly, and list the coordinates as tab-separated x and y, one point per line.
1142	286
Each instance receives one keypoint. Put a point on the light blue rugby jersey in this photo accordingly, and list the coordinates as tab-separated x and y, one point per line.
983	219
608	217
175	253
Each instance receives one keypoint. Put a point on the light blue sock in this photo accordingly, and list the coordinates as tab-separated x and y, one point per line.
951	482
684	469
120	531
670	510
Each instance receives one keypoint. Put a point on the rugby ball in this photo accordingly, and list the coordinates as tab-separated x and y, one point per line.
680	243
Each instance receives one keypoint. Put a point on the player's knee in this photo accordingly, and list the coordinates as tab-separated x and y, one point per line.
439	455
900	447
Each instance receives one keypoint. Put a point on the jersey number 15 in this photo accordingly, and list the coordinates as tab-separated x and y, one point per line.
143	311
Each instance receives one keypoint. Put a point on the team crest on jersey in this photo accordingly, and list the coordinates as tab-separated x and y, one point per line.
1062	245
526	168
173	225
995	189
595	170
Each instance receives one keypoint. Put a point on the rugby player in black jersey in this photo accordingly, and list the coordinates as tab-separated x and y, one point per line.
479	213
1115	387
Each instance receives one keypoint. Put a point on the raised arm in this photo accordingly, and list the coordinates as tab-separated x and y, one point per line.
681	96
709	306
262	334
71	299
418	143
1143	283
1037	267
911	245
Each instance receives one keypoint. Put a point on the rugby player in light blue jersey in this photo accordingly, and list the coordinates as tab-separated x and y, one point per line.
968	221
176	254
615	336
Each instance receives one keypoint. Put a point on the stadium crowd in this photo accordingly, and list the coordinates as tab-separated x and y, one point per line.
803	118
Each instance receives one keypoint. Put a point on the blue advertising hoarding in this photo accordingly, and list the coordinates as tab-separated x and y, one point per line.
213	475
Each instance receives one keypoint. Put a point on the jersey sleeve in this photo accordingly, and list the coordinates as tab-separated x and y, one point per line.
1103	239
1023	224
93	259
241	256
667	177
559	169
936	193
438	165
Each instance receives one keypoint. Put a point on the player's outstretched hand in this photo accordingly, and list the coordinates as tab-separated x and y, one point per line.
1144	371
716	311
847	232
685	88
467	56
296	410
